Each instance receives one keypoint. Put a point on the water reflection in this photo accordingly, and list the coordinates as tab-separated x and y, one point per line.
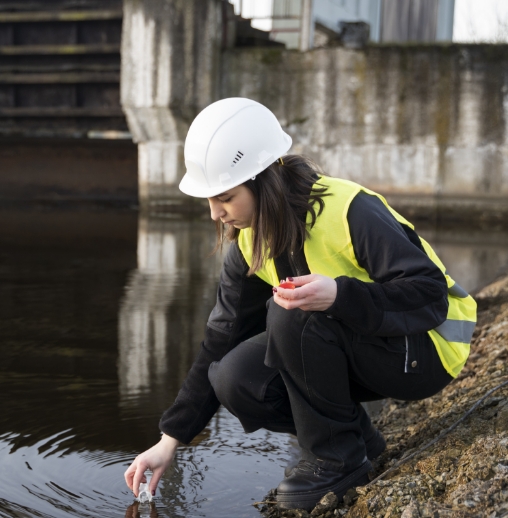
137	510
101	315
164	310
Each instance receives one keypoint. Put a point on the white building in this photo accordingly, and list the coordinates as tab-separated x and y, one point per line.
304	24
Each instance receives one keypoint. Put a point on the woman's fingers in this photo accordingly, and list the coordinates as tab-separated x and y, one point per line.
313	293
289	299
157	459
291	304
135	475
139	475
157	474
303	279
295	294
129	474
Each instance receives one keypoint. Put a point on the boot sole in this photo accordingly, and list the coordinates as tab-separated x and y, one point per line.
309	499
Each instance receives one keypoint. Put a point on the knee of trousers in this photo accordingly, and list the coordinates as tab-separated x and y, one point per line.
228	379
282	323
285	329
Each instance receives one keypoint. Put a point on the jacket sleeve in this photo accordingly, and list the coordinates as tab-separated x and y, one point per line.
409	292
239	313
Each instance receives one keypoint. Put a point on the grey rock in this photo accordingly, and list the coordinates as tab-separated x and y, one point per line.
328	503
411	511
296	513
502	419
350	497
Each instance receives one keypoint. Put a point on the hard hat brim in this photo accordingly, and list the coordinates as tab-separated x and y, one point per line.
196	189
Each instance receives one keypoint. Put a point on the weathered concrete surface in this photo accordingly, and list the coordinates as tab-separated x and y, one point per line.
413	122
424	124
170	58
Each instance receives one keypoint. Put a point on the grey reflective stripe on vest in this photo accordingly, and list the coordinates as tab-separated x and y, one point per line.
456	330
458	291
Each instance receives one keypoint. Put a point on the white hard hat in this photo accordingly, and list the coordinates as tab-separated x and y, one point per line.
229	142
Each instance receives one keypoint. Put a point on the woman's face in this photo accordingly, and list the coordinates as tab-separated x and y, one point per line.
234	207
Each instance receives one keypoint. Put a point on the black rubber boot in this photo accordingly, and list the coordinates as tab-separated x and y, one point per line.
375	445
309	482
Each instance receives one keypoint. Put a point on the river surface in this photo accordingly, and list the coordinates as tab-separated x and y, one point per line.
102	313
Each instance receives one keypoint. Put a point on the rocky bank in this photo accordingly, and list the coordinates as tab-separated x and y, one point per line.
465	474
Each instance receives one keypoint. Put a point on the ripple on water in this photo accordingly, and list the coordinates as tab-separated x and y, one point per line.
224	474
220	476
85	323
59	485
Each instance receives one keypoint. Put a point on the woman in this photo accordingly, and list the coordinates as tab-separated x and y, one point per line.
373	313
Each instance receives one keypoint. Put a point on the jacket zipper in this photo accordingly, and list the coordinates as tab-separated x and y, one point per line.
294	266
407	355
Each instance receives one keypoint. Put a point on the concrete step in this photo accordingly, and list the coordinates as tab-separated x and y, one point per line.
60	16
61	111
17	50
63	77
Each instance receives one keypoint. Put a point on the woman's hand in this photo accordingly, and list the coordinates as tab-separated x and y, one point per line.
157	459
313	293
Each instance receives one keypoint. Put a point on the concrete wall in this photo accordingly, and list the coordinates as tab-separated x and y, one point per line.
170	60
425	124
424	121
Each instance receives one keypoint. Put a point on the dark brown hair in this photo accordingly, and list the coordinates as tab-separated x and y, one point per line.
283	194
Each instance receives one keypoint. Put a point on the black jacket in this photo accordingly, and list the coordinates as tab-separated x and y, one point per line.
408	296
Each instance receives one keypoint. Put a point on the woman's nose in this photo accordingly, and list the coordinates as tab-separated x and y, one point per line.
216	210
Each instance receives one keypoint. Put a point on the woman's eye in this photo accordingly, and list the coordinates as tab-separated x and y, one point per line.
227	201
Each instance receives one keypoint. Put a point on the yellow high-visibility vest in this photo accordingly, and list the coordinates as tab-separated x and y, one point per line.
329	251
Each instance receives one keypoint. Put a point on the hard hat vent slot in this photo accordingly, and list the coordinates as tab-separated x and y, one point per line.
238	157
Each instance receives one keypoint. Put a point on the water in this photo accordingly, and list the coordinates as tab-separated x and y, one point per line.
101	316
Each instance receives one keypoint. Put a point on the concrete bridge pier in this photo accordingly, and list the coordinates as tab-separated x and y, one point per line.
170	59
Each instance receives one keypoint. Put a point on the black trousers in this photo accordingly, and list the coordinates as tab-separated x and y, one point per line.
308	373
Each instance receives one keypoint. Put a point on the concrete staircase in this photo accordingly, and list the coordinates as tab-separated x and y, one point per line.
60	68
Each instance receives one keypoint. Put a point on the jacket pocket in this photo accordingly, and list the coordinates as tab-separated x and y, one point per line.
414	344
384	350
